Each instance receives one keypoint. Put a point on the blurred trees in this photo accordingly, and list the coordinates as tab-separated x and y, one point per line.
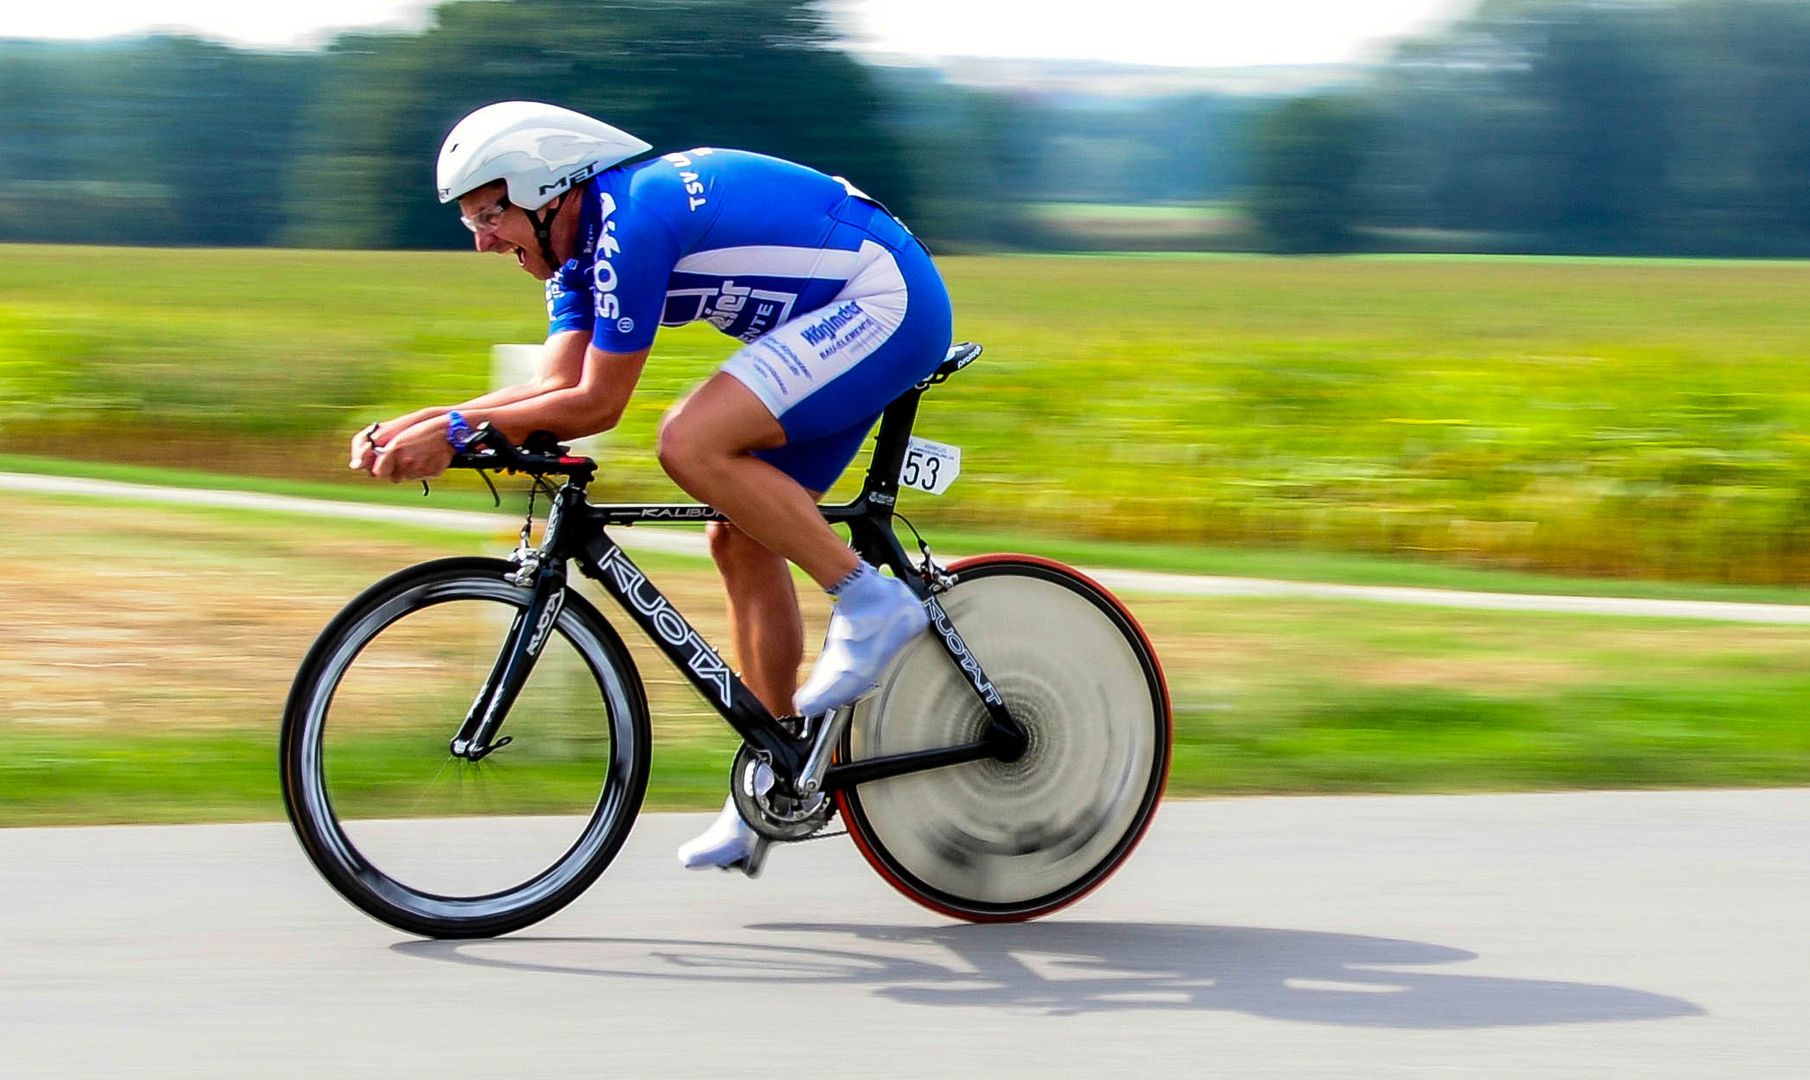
171	140
963	168
755	73
174	140
164	140
1643	128
1634	126
1307	158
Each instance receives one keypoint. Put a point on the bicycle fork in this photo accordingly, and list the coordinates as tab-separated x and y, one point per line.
533	625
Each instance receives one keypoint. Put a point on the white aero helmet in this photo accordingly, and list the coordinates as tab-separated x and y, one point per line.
540	150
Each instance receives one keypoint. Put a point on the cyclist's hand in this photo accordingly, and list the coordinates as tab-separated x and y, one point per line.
419	453
364	449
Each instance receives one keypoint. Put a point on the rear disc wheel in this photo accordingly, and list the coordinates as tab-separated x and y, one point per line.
996	841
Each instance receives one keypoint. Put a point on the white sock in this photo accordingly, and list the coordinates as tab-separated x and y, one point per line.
862	588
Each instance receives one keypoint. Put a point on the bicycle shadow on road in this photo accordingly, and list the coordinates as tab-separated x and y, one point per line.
1070	968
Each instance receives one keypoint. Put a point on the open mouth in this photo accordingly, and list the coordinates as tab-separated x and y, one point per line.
521	258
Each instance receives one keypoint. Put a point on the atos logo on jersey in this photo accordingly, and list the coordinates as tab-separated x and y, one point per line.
824	329
609	305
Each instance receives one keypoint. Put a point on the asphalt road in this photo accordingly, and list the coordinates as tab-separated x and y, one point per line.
1626	935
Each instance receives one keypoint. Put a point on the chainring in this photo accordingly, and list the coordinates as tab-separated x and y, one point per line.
770	813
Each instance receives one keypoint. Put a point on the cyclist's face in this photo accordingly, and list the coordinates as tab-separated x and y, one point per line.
500	227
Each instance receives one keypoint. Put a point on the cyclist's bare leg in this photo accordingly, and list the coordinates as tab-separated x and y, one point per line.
706	446
764	624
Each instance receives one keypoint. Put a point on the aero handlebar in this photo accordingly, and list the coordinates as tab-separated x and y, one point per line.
539	455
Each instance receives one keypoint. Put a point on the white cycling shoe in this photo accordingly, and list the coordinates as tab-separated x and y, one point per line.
729	844
875	618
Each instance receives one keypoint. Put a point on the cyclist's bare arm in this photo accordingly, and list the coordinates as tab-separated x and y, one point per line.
580	399
604	384
562	367
562	358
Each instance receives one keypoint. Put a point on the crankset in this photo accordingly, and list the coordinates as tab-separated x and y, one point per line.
770	812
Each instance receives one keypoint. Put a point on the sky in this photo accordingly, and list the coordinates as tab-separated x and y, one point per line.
1187	33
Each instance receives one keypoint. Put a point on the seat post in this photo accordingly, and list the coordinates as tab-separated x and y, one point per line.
889	448
894	436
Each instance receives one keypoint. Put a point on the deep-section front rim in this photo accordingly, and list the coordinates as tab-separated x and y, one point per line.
862	830
333	850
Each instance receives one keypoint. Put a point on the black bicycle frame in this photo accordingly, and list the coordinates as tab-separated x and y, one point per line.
576	531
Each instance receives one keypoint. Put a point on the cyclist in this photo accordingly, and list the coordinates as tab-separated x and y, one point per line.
840	310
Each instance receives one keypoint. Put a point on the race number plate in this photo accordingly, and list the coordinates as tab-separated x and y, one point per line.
930	466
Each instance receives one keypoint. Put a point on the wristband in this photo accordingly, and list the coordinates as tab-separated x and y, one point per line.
458	432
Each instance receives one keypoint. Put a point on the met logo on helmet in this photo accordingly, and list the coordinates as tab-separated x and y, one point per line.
576	178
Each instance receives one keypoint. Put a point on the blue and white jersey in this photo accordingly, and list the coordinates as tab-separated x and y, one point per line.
744	241
841	307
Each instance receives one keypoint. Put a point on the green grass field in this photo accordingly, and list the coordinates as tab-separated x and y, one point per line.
150	650
1593	417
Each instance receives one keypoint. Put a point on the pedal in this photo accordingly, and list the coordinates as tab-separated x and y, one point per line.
756	862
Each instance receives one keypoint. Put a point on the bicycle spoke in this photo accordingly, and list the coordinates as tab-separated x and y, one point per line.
394	804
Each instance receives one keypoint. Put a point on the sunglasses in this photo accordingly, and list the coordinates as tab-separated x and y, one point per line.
485	221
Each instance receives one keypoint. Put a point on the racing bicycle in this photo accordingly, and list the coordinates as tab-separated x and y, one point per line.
467	744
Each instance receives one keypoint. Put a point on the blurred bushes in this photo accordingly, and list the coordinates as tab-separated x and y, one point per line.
1633	418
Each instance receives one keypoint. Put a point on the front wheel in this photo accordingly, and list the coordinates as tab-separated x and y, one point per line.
996	841
427	841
